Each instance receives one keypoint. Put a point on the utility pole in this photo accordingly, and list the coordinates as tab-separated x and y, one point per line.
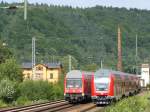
119	64
33	58
13	7
101	64
136	54
25	10
70	63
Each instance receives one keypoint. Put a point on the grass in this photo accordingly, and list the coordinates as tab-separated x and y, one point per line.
2	104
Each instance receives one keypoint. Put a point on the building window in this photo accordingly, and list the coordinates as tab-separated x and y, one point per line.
28	75
51	75
39	68
38	75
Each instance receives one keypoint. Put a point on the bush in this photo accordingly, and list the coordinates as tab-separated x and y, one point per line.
2	104
7	90
58	88
36	90
57	92
23	100
132	104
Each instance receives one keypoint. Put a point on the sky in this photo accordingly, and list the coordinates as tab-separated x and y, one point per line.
140	4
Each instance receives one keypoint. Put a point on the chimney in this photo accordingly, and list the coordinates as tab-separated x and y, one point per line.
119	64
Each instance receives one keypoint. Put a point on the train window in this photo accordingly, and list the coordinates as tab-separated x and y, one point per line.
74	83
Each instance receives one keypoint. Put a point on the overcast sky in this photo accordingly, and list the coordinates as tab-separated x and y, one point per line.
140	4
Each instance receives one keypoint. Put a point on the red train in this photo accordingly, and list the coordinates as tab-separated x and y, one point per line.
77	86
108	85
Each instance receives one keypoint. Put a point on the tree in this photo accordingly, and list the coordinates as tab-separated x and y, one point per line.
11	70
5	52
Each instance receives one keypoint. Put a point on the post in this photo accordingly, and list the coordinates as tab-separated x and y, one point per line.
33	58
25	10
101	64
136	56
69	62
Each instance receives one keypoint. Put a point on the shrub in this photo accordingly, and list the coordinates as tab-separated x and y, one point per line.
57	92
7	90
58	88
2	104
132	104
23	100
36	90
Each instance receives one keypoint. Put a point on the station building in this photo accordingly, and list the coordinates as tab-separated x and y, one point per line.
46	71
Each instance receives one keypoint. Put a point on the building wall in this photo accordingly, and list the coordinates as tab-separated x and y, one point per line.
53	75
40	72
145	74
43	73
27	74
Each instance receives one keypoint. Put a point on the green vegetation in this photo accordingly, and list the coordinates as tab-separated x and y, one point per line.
132	104
11	70
88	35
28	92
5	52
7	91
14	91
35	90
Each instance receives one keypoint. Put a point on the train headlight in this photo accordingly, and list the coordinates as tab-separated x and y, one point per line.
82	94
64	94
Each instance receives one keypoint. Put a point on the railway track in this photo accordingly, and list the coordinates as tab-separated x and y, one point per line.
43	107
56	106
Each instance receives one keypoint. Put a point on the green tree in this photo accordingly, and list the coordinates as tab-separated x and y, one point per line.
11	70
5	52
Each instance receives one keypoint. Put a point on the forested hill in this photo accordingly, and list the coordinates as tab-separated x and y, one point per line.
88	35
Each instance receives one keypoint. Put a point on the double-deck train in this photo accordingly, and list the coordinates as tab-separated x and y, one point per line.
103	86
108	85
77	86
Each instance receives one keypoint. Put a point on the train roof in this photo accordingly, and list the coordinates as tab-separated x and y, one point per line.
77	74
107	72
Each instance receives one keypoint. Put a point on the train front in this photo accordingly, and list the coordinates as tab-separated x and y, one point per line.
101	90
73	91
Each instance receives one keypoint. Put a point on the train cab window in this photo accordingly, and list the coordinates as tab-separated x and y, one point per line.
101	84
74	83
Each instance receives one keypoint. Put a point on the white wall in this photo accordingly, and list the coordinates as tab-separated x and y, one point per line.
145	75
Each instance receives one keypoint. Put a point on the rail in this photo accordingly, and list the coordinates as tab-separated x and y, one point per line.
55	105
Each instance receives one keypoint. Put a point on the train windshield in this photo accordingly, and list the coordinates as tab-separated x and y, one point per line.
101	84
74	83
